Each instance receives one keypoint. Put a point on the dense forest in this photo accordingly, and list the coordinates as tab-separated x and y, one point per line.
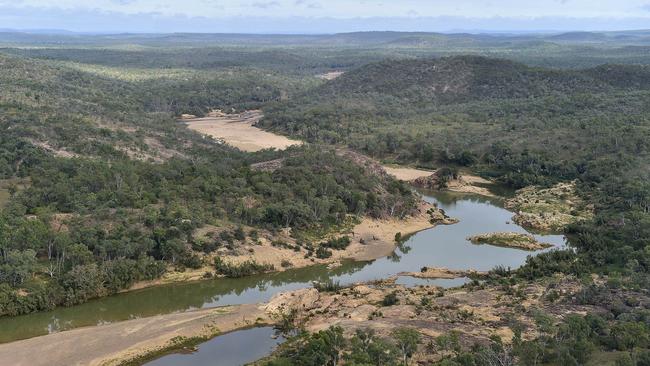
105	188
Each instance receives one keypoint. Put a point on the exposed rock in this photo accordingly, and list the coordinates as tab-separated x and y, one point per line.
439	272
370	165
461	183
509	240
549	209
430	182
438	216
304	299
268	166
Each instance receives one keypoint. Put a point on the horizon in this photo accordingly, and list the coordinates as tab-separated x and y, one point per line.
504	32
319	17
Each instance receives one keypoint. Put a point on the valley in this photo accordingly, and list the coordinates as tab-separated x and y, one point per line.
325	199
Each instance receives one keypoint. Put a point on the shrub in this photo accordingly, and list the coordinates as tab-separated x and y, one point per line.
327	286
323	253
247	268
390	299
337	244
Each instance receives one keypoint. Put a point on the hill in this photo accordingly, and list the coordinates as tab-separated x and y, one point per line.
465	78
105	188
466	110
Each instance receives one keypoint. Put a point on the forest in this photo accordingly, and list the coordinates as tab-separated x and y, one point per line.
106	188
101	187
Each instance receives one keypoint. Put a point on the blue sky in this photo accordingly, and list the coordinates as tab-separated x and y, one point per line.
322	16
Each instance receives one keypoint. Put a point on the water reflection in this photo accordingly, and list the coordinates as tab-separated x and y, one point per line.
443	246
231	349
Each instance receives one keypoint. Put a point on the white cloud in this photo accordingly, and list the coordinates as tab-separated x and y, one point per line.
353	8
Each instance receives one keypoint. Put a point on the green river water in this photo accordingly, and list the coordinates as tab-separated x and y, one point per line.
442	246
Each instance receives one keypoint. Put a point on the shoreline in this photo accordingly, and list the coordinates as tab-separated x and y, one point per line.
131	340
377	234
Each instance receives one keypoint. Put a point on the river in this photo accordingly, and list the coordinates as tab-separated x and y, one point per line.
442	246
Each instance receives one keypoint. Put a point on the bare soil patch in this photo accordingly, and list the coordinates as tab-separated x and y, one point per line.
331	75
407	174
465	183
239	130
370	239
115	343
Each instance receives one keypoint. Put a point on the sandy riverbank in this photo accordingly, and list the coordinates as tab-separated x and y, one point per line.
115	343
466	183
406	174
370	239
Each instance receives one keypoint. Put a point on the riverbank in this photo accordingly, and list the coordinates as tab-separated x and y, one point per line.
119	343
465	183
443	247
370	239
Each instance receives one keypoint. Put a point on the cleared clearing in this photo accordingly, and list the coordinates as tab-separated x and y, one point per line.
407	174
238	130
331	75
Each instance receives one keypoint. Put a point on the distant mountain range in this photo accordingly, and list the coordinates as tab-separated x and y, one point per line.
58	36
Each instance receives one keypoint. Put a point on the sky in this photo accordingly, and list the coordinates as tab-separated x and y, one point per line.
323	16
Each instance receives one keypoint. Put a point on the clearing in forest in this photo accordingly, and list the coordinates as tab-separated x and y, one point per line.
239	130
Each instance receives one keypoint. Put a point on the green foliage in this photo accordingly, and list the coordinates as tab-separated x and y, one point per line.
337	243
328	286
247	268
390	299
406	340
329	347
323	253
17	267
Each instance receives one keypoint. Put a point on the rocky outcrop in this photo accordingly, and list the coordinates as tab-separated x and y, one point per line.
549	209
437	216
439	272
510	240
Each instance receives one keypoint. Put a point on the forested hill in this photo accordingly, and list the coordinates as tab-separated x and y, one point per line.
467	109
100	187
466	78
523	126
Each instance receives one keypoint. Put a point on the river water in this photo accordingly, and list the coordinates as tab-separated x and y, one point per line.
231	349
442	246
